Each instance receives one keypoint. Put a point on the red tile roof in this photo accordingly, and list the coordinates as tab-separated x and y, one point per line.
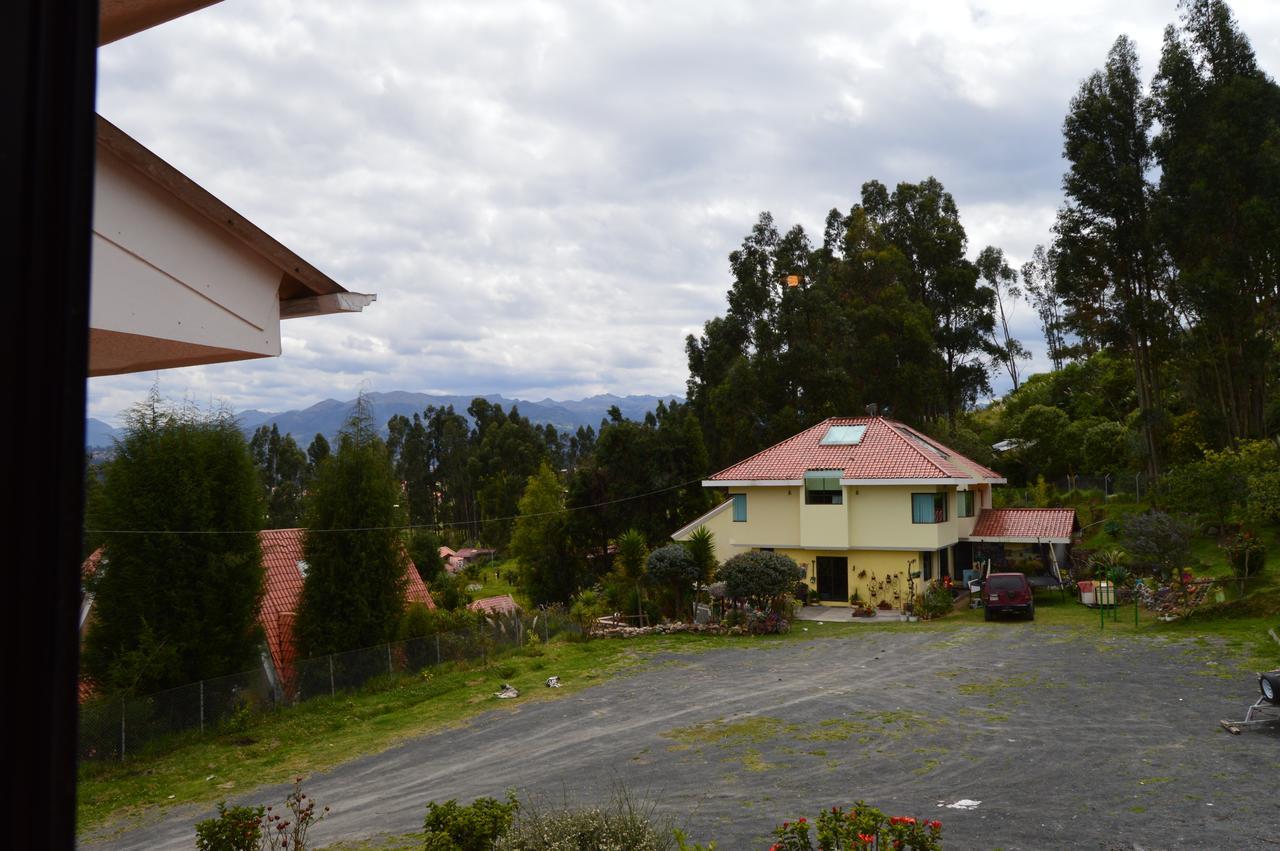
1026	523
501	605
888	450
281	552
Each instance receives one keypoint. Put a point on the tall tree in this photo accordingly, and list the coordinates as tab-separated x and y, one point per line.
1107	248
353	593
1219	204
923	223
317	451
1040	279
1003	281
172	607
282	467
550	566
506	450
410	449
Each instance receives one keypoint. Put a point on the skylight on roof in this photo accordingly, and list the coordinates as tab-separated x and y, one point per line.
920	441
843	435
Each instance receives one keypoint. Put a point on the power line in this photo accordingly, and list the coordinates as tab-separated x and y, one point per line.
407	527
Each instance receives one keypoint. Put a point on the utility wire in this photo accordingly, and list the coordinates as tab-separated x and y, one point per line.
408	527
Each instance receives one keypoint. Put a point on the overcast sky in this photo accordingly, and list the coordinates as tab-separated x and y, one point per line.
543	195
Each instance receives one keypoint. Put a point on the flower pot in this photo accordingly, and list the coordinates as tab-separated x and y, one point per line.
913	618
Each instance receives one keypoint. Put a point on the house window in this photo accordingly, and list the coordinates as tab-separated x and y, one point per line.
926	566
739	507
822	487
928	508
964	503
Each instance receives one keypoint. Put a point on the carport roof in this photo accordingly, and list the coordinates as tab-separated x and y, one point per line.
1031	525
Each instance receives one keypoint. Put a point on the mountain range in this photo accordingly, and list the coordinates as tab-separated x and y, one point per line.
328	416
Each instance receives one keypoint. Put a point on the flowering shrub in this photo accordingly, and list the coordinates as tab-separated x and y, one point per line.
936	602
772	623
860	828
235	829
261	828
289	830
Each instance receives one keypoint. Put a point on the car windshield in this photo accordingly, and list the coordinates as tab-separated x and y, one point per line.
1006	583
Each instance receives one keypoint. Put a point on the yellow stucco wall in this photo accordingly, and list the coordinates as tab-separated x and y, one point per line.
823	525
872	516
885	569
880	516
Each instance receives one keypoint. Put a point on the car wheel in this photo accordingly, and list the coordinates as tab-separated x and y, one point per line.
986	614
1031	612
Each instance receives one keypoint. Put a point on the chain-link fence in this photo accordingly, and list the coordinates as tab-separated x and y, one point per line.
114	728
1134	486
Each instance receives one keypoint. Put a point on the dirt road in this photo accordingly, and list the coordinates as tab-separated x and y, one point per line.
1067	741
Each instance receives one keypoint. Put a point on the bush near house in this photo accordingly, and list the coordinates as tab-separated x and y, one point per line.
761	578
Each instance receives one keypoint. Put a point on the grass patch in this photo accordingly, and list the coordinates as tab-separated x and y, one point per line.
325	731
755	730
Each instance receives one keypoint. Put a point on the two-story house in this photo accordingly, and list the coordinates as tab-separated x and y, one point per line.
861	503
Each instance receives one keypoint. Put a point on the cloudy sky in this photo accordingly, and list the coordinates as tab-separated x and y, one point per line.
544	194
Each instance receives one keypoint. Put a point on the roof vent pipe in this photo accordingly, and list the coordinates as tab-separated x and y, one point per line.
872	409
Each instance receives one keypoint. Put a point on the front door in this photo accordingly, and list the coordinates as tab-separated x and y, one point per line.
833	578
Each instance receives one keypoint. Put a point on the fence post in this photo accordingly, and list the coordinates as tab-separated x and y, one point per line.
332	690
546	618
390	671
437	649
202	706
122	705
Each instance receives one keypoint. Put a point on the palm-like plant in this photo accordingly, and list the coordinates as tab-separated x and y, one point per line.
632	552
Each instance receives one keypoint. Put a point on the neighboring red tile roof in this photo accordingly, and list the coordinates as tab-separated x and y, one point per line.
468	553
90	565
1026	523
281	552
445	552
888	450
501	605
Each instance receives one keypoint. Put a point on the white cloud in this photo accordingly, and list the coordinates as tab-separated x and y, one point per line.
544	194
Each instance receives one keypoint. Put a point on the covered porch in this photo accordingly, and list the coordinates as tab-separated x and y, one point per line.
1034	541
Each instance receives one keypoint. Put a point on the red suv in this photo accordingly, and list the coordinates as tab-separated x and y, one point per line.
1004	593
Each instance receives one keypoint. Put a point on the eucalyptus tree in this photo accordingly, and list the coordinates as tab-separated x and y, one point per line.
1109	259
922	221
1040	279
1003	281
1219	201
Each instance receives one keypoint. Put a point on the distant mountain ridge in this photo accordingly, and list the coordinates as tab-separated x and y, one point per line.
327	417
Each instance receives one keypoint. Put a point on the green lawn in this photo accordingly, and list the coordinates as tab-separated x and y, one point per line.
491	578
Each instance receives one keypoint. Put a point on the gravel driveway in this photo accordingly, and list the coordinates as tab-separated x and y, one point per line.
1067	740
